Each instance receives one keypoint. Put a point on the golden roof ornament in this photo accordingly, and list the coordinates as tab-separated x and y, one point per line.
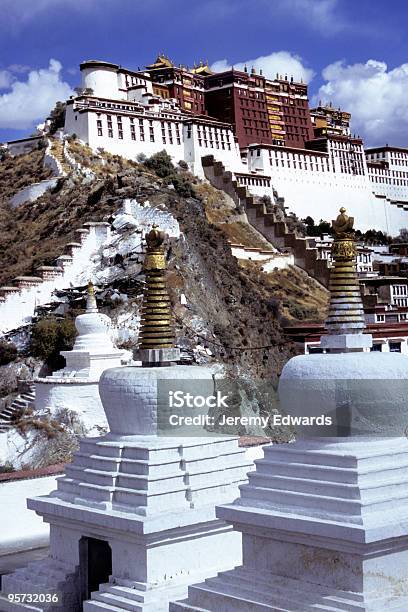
346	313
156	335
91	305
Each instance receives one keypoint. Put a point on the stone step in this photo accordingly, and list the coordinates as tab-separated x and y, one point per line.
121	591
305	485
306	502
7	411
29	396
273	591
211	598
179	606
118	600
20	403
92	604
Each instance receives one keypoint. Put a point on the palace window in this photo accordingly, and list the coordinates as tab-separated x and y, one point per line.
395	347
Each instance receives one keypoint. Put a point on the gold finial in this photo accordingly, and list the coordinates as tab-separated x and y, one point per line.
346	313
343	224
91	305
156	328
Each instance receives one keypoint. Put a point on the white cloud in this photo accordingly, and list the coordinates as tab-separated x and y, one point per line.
320	14
323	16
19	68
29	101
5	79
18	13
375	96
281	62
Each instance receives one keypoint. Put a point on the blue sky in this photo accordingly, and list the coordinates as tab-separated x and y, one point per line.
351	51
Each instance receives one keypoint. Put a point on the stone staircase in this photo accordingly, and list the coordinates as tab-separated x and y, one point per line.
271	225
20	300
24	400
57	150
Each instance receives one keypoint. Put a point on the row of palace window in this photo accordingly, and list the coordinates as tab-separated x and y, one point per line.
251	94
296	120
210	136
400	289
246	112
386	172
294	110
250	180
251	102
322	167
141	125
298	133
169	133
255	123
388	181
257	132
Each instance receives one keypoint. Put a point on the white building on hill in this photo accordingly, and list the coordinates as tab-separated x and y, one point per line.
118	112
123	112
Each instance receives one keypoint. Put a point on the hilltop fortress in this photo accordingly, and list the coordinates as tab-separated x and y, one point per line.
262	130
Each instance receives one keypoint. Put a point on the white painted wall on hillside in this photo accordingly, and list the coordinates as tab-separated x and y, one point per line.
320	193
32	192
18	308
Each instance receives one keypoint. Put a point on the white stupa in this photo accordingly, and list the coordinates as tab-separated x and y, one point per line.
324	520
132	522
75	387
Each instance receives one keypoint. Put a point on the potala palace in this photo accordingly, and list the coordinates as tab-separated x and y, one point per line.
262	130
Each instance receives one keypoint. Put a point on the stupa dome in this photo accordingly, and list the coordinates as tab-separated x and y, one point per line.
93	332
361	392
93	328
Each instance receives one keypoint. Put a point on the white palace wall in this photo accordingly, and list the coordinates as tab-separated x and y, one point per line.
18	308
123	116
314	188
126	128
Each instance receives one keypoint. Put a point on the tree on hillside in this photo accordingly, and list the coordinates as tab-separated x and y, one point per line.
57	117
323	227
49	336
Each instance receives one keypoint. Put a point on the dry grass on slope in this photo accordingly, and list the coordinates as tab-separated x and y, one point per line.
301	298
19	172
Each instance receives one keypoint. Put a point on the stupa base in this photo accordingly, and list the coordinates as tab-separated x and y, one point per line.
243	590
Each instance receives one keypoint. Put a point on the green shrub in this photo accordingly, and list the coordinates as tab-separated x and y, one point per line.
302	313
6	468
182	186
8	352
161	164
49	336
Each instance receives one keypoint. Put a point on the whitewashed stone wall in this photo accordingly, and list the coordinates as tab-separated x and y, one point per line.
52	162
270	260
154	128
18	308
76	166
318	190
32	192
81	398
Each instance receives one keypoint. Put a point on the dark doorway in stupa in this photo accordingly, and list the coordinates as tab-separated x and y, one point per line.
95	565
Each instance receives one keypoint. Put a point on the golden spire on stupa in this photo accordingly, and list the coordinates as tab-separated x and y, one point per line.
156	328
346	313
91	305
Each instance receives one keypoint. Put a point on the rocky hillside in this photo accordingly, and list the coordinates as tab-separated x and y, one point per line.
233	312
